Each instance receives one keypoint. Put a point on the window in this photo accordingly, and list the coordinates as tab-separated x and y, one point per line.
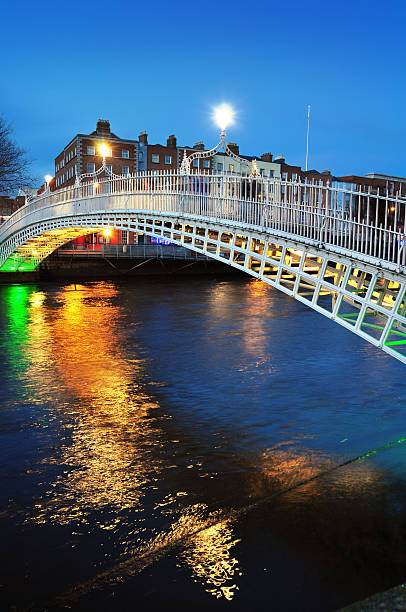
125	153
168	159
262	172
155	158
284	176
206	163
231	167
91	167
125	170
271	173
109	167
140	156
294	176
195	163
219	166
91	150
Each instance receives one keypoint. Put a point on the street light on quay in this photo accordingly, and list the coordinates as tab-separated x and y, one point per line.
48	179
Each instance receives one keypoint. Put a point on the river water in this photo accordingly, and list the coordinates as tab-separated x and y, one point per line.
193	444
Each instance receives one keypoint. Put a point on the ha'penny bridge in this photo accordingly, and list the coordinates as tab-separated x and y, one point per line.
341	252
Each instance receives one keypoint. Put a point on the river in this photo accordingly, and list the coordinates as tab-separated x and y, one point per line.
194	444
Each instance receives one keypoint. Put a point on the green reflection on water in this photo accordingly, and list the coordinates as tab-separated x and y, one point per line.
16	303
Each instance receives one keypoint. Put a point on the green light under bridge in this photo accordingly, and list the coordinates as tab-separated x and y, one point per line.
18	263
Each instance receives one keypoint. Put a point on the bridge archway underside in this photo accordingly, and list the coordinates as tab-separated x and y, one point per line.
368	301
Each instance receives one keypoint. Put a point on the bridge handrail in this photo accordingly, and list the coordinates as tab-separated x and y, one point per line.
320	212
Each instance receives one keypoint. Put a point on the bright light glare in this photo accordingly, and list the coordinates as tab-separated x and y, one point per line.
107	233
104	150
48	178
35	253
223	116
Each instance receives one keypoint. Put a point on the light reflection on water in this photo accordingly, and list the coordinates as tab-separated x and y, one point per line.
133	444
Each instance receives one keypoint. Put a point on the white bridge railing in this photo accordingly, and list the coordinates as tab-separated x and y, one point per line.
363	222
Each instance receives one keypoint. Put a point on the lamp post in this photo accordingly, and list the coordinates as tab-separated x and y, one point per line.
48	179
104	150
223	115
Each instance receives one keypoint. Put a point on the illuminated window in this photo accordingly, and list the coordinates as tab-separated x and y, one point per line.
231	167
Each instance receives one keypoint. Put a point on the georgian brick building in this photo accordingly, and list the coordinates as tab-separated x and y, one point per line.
157	156
82	154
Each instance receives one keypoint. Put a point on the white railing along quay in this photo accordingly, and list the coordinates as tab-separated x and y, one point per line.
371	225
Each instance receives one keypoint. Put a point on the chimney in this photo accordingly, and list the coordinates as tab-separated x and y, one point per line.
171	141
199	146
328	172
103	126
233	146
143	137
266	157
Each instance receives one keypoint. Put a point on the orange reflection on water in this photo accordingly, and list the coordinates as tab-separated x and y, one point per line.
105	456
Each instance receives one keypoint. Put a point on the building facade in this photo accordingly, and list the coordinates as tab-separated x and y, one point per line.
82	155
157	157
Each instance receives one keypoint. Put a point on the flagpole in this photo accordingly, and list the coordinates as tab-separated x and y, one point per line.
307	139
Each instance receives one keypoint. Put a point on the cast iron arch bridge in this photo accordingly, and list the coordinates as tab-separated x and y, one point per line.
339	252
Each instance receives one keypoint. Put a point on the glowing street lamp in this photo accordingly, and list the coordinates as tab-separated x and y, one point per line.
48	179
104	150
223	116
107	233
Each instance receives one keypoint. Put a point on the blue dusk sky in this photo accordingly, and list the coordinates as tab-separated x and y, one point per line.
162	67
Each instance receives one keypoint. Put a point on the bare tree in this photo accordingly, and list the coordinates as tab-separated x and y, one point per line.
14	163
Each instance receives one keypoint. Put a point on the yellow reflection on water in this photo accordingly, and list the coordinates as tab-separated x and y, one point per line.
212	562
105	458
